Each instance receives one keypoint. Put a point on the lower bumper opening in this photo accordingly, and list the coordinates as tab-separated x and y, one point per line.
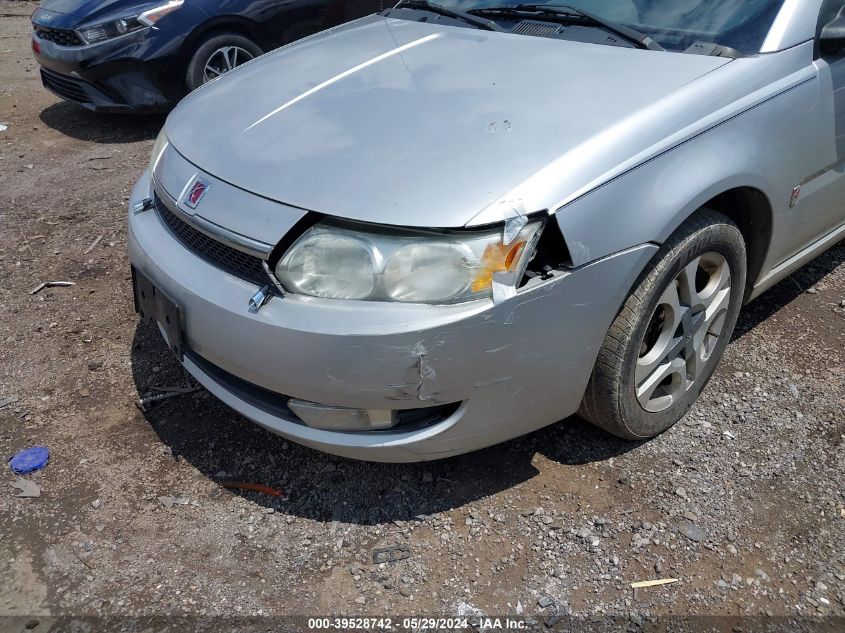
277	404
79	91
66	87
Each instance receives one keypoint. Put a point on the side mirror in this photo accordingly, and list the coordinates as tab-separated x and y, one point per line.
833	35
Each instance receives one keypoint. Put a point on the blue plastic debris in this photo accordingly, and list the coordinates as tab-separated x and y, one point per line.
30	459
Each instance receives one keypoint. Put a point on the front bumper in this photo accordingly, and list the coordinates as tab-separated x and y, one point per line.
513	367
124	75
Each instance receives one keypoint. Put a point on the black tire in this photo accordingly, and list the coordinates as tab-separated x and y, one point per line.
611	400
195	77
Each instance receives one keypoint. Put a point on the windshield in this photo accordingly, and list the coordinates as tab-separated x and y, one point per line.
674	24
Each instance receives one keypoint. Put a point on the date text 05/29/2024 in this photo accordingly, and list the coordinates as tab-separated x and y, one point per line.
483	623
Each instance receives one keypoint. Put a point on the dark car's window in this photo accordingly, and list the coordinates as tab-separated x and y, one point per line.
675	24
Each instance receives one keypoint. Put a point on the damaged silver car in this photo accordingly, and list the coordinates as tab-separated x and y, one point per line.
447	225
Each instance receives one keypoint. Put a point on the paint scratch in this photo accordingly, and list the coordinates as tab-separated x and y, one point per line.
427	372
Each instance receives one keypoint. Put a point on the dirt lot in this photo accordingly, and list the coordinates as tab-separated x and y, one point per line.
743	502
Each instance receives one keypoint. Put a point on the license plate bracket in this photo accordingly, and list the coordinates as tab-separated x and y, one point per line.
153	304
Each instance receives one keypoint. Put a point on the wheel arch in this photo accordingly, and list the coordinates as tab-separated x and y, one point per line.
591	233
749	208
223	24
752	212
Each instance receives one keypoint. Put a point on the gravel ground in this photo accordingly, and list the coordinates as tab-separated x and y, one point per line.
743	502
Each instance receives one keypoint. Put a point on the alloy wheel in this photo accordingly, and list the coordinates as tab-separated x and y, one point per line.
683	331
223	60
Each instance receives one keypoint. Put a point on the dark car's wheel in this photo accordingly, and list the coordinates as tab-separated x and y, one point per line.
671	333
217	55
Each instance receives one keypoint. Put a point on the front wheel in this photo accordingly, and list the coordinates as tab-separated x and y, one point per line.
217	55
667	340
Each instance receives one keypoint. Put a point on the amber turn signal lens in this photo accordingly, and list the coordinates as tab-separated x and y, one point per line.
497	258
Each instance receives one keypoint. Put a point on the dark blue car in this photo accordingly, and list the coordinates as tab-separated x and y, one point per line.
132	55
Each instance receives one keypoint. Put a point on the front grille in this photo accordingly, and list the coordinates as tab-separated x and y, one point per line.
235	262
66	87
62	37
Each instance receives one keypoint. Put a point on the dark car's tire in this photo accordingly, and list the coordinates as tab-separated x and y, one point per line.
216	55
667	340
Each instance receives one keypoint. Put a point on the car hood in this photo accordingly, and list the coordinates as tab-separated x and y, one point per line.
415	124
89	11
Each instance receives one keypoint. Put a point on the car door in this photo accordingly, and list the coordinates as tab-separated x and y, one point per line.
285	21
819	204
290	20
339	11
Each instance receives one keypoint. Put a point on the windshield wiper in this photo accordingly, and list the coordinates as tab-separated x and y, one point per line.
714	49
425	5
565	11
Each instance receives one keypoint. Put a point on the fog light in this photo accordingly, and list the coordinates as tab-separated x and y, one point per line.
323	416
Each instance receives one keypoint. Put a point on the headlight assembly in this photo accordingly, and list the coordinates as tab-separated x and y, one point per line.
121	26
151	16
332	264
339	260
428	273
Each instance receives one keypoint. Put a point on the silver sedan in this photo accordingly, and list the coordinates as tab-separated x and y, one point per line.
447	225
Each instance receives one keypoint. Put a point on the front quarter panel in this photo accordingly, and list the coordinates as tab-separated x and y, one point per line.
769	141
